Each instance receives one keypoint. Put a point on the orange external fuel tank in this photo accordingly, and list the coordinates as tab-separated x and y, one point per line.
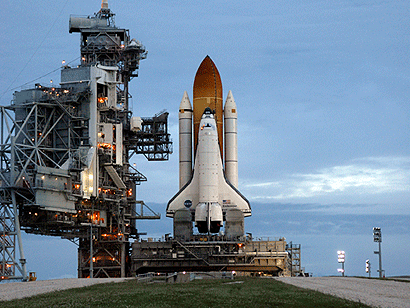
208	93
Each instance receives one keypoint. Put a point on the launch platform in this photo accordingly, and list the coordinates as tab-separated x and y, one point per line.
212	253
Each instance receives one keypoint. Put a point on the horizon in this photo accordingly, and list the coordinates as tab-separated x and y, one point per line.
322	94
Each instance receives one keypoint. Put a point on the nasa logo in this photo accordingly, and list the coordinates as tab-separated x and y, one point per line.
188	203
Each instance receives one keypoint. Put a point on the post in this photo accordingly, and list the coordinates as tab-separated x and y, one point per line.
91	250
377	237
341	259
380	259
368	267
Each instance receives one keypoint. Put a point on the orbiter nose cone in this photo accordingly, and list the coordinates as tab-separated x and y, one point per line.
207	81
185	103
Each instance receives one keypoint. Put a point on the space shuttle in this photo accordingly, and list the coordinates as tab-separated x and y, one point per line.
208	193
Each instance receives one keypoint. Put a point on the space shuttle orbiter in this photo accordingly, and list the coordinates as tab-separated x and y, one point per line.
208	192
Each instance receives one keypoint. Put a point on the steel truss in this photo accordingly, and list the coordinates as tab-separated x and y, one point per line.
10	266
52	158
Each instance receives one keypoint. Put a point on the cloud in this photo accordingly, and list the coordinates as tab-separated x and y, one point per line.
361	177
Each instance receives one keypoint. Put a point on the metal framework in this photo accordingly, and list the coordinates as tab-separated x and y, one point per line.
210	253
9	233
64	156
294	259
153	140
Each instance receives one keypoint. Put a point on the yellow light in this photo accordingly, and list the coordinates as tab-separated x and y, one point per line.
90	177
104	145
102	99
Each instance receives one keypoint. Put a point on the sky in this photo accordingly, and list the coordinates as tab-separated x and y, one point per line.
322	90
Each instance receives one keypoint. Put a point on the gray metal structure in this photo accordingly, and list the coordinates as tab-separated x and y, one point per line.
65	151
211	253
294	260
377	237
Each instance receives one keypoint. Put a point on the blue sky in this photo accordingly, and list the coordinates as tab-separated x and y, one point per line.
322	90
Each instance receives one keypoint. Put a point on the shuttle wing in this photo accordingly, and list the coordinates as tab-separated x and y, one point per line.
228	196
185	197
232	198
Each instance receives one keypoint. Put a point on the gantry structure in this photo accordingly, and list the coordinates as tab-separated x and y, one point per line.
65	155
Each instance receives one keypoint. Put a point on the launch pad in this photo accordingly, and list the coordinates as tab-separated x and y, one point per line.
65	170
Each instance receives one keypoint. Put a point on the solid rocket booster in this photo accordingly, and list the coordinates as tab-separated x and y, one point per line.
208	188
231	140
185	141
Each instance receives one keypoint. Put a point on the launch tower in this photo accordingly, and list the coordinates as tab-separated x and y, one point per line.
65	155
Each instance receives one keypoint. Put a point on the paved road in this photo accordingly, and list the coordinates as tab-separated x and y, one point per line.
372	292
15	290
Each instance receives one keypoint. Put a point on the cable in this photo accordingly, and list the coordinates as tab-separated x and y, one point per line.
31	81
33	54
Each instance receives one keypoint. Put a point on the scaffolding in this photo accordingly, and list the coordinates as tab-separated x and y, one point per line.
153	141
294	263
10	267
64	156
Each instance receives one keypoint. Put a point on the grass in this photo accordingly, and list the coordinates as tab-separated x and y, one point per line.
253	292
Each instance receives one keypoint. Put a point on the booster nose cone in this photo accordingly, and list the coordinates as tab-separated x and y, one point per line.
230	105
104	4
185	103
